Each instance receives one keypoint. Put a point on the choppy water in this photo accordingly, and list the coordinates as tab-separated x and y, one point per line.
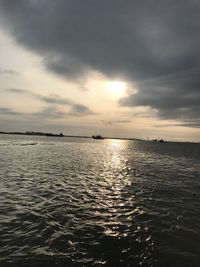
82	202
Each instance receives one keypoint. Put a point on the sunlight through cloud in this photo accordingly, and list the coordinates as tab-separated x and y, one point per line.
117	88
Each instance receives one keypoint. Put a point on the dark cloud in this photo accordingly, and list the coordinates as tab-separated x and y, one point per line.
122	121
75	108
8	71
8	111
113	122
174	97
46	114
152	44
17	91
78	108
50	112
186	124
55	100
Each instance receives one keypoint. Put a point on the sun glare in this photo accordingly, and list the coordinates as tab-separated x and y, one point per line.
117	88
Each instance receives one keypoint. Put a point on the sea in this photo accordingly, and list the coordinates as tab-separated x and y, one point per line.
84	202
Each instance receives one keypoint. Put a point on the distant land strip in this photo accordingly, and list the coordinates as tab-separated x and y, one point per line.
32	133
62	135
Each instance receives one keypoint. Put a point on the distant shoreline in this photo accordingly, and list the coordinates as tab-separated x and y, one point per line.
62	135
48	134
34	133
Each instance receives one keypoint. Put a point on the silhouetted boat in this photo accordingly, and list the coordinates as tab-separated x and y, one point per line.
98	136
159	140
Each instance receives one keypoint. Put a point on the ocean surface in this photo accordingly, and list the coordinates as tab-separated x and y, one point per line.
83	202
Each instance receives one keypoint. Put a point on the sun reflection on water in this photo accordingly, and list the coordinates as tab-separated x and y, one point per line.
122	217
117	153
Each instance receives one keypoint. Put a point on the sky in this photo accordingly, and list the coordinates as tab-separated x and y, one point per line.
117	68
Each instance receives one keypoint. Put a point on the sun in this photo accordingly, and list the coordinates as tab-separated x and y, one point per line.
117	88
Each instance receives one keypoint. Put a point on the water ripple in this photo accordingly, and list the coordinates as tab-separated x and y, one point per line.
88	203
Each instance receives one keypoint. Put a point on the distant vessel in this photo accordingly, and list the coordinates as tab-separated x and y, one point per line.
98	136
159	140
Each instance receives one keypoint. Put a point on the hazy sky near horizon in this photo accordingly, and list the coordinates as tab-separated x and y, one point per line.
119	68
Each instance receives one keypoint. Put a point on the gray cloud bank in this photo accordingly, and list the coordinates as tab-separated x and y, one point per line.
8	71
53	102
152	44
8	111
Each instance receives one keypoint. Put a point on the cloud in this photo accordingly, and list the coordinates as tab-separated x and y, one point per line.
154	45
113	122
76	109
190	124
122	121
50	112
80	109
46	115
8	111
17	91
8	71
174	97
55	100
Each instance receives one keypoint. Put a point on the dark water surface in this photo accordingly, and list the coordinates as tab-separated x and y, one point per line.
82	202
